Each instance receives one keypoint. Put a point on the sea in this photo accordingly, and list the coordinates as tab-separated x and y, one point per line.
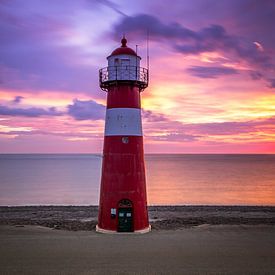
172	179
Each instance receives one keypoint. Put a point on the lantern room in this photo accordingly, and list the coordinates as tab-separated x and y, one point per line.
123	65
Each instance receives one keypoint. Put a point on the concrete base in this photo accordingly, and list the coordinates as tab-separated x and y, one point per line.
104	231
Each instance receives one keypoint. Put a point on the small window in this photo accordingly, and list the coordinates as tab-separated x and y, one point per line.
125	203
113	211
125	140
128	214
121	214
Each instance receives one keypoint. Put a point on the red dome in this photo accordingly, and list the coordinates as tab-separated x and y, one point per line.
123	49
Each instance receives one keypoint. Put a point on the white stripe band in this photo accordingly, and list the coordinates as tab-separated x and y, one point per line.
123	122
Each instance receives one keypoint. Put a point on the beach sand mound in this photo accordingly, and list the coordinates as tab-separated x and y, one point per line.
75	218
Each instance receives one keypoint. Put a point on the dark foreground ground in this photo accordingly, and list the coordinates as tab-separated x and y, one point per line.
206	249
184	240
161	217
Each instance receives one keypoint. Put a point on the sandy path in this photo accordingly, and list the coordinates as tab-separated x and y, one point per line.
198	250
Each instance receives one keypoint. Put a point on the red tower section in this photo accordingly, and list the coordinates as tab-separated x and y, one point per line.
123	203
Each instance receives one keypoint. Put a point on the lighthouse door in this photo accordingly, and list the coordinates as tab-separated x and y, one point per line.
125	216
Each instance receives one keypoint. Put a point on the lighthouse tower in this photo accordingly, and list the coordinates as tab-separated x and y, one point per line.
123	203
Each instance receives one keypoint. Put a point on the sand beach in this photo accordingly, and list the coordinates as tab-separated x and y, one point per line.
184	240
77	218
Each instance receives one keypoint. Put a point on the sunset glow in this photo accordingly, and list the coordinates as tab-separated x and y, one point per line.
211	90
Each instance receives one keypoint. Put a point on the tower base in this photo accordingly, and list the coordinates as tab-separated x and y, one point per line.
104	231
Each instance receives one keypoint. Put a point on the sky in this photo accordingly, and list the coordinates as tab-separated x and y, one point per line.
212	74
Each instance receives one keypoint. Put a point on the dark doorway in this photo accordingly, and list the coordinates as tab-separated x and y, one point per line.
125	216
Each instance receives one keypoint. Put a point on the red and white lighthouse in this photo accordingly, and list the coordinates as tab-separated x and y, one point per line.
123	202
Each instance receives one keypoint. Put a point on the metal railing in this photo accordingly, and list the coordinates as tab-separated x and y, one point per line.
110	75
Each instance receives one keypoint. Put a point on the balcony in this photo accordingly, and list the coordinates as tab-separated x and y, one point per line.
111	75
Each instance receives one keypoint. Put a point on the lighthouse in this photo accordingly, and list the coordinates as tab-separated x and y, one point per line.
123	201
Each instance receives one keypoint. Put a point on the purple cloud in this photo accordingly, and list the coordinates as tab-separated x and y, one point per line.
112	6
228	128
139	24
187	41
176	137
172	130
84	110
210	72
79	110
28	112
223	128
256	75
249	18
152	116
272	83
17	99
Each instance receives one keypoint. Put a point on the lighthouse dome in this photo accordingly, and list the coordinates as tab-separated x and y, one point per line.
123	49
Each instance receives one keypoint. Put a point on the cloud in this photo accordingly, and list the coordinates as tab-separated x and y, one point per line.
79	110
165	129
228	127
84	110
259	46
112	6
184	40
17	99
272	83
222	128
28	112
213	38
138	25
33	132
256	75
175	137
210	72
150	116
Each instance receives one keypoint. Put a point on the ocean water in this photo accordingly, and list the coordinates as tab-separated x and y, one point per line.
74	179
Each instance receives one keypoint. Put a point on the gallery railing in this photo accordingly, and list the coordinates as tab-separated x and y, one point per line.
110	75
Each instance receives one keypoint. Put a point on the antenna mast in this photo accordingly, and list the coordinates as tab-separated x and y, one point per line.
148	49
136	62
